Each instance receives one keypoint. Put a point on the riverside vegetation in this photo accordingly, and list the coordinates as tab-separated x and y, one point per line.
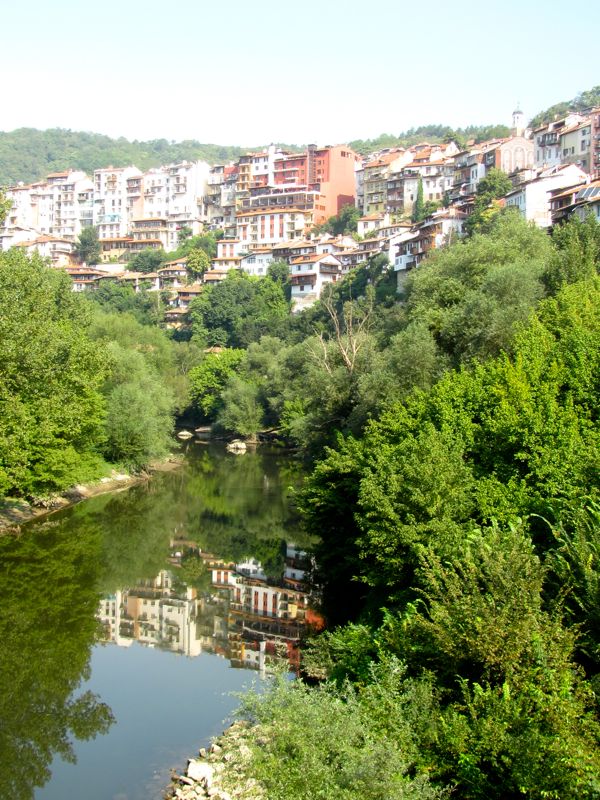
454	437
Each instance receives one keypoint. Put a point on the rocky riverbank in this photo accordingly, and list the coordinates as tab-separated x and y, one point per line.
220	772
14	513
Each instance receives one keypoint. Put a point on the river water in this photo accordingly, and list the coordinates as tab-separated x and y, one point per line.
128	621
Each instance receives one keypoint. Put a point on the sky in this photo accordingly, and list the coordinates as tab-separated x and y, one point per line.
251	72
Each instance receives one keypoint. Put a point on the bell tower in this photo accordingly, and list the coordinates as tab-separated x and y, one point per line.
518	122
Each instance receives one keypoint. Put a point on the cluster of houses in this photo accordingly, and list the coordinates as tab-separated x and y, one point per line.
267	203
243	616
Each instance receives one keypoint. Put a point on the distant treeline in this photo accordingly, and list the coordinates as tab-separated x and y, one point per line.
582	102
27	154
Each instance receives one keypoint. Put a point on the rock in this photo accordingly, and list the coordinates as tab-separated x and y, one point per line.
184	435
200	771
202	752
215	748
236	446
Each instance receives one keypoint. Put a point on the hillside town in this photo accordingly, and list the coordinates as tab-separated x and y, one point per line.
268	205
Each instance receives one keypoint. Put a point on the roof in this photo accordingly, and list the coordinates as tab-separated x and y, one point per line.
194	288
273	210
311	258
175	261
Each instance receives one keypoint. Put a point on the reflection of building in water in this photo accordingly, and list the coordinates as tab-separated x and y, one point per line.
154	614
266	619
242	617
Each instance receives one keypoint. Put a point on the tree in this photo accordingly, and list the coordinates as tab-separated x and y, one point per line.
147	260
112	296
241	412
185	232
279	272
491	188
367	746
88	248
209	378
197	263
418	207
577	254
5	206
344	222
241	307
51	374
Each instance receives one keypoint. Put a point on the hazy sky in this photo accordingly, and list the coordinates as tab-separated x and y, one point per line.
254	71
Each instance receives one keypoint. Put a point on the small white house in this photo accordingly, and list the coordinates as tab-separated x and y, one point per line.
309	274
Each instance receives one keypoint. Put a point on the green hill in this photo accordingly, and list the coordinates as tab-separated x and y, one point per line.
583	101
27	154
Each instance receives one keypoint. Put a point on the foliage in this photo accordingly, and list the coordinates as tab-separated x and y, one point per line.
238	310
5	206
577	254
209	378
430	133
147	260
241	412
345	222
28	154
511	437
418	212
51	373
207	242
491	188
139	389
355	748
88	249
279	272
115	297
582	102
472	294
197	263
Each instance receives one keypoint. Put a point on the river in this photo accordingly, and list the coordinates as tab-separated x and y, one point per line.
128	621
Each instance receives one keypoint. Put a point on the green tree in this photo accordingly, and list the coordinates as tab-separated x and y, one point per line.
87	248
243	307
367	748
491	188
577	254
279	272
418	212
51	373
209	378
147	260
241	412
5	206
343	223
115	297
197	263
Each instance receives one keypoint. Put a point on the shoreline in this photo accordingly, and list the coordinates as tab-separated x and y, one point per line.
14	513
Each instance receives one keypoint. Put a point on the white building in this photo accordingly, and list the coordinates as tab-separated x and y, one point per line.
434	232
546	140
257	262
110	214
532	198
309	274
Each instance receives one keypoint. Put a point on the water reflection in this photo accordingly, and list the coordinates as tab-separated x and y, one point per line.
206	604
192	562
